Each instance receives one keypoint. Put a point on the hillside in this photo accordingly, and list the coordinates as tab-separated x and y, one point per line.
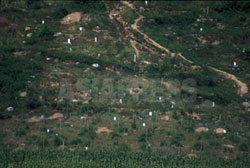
164	80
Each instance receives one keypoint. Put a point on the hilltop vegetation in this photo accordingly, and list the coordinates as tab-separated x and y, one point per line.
169	103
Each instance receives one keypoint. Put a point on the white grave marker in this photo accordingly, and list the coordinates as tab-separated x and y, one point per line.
120	100
235	64
86	148
43	22
9	109
172	106
160	99
134	58
144	124
42	117
99	55
114	118
70	50
201	29
213	104
69	42
48	130
80	28
95	39
146	2
150	113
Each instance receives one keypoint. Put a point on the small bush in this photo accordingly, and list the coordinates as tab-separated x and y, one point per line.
57	141
243	147
76	141
88	132
60	12
133	125
123	147
198	146
19	132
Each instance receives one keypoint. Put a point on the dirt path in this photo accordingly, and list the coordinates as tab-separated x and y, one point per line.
243	89
133	44
116	15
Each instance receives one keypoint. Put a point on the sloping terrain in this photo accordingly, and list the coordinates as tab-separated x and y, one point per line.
126	76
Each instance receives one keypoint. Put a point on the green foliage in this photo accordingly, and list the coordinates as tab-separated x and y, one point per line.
19	132
33	101
133	125
57	141
234	138
76	141
113	158
60	12
198	146
243	147
88	132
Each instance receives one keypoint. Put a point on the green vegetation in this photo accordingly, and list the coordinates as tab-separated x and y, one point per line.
103	96
113	158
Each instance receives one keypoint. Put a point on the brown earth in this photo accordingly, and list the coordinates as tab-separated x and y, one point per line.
34	119
103	130
56	116
72	18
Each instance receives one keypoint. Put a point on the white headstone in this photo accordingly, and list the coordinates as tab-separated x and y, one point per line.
224	131
42	117
48	130
9	109
95	39
115	118
235	64
86	148
47	58
150	113
56	134
172	106
95	65
99	55
80	28
144	124
201	29
69	42
160	99
243	50
134	58
43	22
213	104
70	49
146	2
120	100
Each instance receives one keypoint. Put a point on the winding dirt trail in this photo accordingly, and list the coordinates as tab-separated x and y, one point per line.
133	44
243	89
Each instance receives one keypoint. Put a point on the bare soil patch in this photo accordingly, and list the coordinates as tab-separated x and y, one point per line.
56	116
201	129
34	119
165	118
72	18
103	130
